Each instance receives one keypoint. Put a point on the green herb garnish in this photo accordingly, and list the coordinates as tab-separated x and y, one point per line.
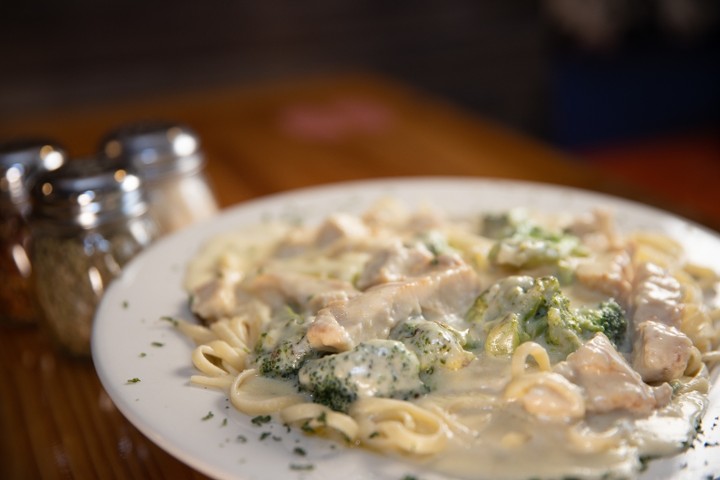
170	319
261	420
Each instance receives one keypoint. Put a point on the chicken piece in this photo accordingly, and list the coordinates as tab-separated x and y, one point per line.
425	219
394	263
660	352
215	299
385	213
608	381
304	292
596	229
342	325
296	242
226	296
656	295
608	273
340	226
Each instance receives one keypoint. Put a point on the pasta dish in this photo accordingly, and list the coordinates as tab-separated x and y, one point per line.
508	344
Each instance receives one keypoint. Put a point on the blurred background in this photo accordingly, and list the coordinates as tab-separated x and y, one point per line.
632	86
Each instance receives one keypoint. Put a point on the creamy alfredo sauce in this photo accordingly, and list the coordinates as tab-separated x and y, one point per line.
586	415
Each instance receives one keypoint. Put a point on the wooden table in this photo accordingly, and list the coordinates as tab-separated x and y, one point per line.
56	421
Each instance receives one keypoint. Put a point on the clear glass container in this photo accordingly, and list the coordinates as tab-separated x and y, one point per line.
168	158
88	220
20	162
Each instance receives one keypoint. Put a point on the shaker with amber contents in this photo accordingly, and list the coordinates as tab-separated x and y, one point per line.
20	162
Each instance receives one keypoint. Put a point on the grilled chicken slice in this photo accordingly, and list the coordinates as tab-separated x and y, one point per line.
343	324
656	295
608	381
306	293
660	352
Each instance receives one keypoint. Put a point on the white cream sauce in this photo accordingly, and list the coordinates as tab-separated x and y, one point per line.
491	437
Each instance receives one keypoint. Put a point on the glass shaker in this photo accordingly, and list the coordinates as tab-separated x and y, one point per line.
168	159
88	220
20	162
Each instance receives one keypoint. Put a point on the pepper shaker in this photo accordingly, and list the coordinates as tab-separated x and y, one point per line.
88	220
20	162
168	158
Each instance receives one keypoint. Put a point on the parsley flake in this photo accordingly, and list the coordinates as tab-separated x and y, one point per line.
133	380
261	420
170	319
208	416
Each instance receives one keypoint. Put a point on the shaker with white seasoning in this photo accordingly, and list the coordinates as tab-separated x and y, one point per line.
88	220
20	162
169	160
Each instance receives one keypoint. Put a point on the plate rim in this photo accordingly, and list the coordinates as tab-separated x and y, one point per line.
194	234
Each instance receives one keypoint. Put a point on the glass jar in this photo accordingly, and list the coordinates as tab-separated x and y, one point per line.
88	220
20	162
168	159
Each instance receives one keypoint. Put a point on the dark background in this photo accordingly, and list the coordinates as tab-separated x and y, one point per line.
631	85
576	73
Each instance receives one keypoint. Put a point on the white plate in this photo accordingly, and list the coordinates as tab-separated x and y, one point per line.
199	427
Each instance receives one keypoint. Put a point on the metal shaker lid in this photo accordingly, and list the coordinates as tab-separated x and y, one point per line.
154	149
87	192
21	161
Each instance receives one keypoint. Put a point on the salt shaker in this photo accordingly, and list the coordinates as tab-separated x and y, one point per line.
88	220
169	160
20	162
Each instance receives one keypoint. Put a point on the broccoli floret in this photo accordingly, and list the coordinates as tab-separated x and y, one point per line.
521	308
435	344
510	312
376	368
564	331
502	225
436	243
608	317
570	330
522	244
286	358
283	348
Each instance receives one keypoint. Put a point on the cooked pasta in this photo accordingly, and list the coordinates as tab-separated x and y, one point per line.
458	341
257	395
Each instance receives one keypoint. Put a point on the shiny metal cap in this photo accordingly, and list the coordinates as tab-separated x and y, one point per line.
86	193
154	149
21	161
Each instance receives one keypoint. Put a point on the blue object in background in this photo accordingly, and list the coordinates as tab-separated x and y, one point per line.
636	92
